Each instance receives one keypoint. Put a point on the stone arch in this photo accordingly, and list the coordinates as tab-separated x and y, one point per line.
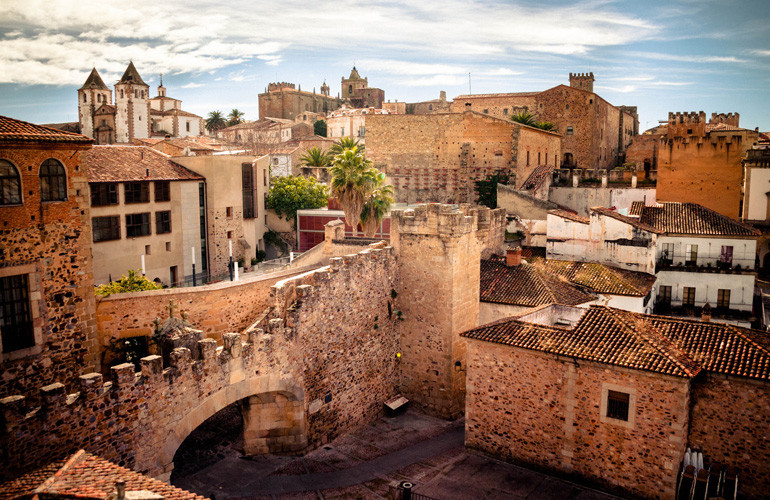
242	390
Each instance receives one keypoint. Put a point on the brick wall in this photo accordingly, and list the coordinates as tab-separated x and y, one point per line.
545	411
51	243
730	423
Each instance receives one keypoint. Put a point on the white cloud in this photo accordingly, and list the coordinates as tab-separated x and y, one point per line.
687	58
761	52
56	41
192	85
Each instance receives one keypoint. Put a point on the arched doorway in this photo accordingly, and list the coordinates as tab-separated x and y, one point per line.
568	160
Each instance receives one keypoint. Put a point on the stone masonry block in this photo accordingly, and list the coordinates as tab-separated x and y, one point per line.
304	291
152	366
53	395
123	375
91	384
232	344
207	349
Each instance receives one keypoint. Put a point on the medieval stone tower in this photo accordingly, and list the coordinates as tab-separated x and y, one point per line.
132	102
583	81
91	96
351	84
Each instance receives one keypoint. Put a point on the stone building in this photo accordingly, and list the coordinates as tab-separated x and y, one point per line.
357	91
350	122
438	157
47	327
595	133
699	161
616	398
283	100
134	115
266	134
144	209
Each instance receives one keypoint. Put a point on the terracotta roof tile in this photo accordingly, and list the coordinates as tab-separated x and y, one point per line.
89	477
693	219
24	486
565	214
131	163
637	207
634	221
659	344
131	76
12	130
526	285
599	278
536	178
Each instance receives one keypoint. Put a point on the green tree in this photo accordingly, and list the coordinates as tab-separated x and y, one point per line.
487	189
526	118
215	122
134	282
346	143
376	206
235	117
289	194
315	157
319	128
353	180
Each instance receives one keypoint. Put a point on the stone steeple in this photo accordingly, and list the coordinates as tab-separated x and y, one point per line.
94	81
354	74
131	76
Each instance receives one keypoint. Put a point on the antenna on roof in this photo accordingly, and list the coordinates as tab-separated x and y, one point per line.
161	79
469	83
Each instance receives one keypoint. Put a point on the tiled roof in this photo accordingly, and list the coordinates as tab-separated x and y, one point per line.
693	219
94	81
526	285
564	214
131	75
719	127
131	163
536	178
634	221
599	278
506	94
194	145
86	476
25	486
637	207
12	130
639	341
173	112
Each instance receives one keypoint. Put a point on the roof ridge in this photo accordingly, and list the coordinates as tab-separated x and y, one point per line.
616	272
748	339
657	341
75	458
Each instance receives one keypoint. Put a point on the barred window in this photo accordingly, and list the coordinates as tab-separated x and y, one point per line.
163	222
106	228
723	298
53	181
162	191
688	296
10	184
137	192
617	405
137	225
15	316
104	193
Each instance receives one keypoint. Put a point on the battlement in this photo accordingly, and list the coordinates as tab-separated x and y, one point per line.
583	81
581	75
686	117
277	86
726	118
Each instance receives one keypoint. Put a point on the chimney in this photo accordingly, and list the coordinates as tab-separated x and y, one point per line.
513	257
705	314
120	486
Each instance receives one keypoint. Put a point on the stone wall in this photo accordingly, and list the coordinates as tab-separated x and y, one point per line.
545	411
50	242
289	103
730	423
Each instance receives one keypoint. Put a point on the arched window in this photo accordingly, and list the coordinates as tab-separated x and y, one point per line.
10	184
85	98
53	181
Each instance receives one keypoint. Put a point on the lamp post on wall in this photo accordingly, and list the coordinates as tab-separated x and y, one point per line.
192	252
230	244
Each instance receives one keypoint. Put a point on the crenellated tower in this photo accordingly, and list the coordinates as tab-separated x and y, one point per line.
583	81
684	124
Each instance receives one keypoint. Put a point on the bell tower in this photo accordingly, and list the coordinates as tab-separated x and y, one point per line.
132	102
91	96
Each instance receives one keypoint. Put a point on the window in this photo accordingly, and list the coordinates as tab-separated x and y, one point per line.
350	89
342	131
691	255
723	298
546	157
430	107
103	193
148	250
85	99
15	314
361	131
664	295
486	111
162	191
188	126
10	184
249	205
137	192
53	181
137	225
168	246
467	105
667	252
569	130
617	405
688	296
527	158
163	222
229	212
726	256
538	157
106	228
505	111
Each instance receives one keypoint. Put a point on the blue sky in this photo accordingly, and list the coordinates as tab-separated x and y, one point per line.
675	55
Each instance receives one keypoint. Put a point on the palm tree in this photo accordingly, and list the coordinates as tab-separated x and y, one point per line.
346	143
315	157
235	117
524	118
376	206
215	122
353	180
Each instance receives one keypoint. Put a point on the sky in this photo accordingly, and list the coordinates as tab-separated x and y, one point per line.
673	55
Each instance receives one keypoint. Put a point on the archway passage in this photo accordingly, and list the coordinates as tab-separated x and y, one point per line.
273	422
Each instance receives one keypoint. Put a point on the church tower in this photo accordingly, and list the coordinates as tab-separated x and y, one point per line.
351	84
91	96
132	100
325	89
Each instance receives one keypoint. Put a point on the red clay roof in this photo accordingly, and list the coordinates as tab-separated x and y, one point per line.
526	285
86	476
537	177
692	219
565	214
12	130
132	163
658	344
634	221
599	278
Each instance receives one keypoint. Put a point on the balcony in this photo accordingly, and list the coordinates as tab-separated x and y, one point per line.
717	313
690	267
